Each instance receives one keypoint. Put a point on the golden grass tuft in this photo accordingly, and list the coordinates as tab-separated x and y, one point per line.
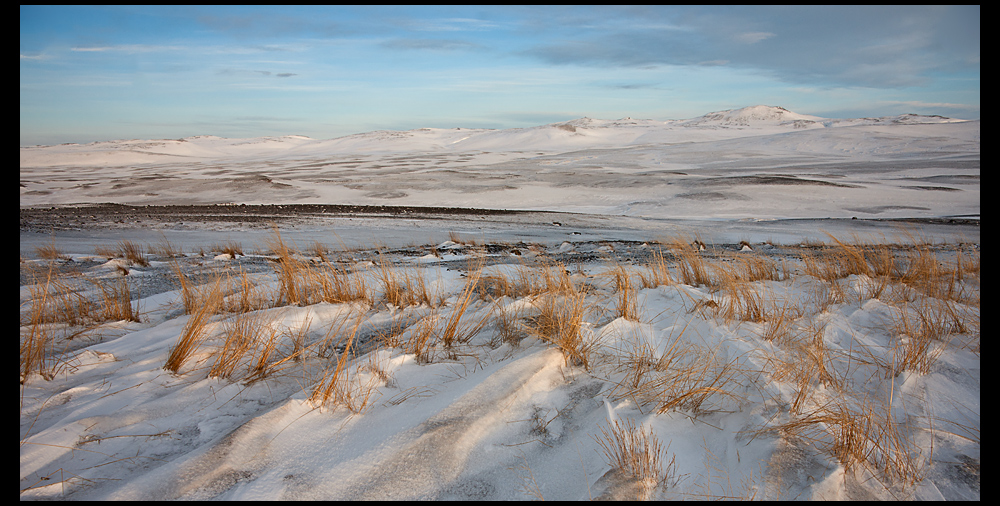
560	323
926	327
635	453
116	301
251	342
133	252
195	330
655	272
291	271
49	252
626	305
454	332
691	267
860	435
336	387
402	287
36	346
231	248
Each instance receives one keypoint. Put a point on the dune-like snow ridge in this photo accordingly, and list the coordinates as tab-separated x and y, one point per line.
754	380
574	134
758	162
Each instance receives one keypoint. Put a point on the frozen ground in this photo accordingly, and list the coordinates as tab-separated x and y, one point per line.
505	410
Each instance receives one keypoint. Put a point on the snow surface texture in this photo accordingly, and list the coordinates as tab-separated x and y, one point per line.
504	412
752	163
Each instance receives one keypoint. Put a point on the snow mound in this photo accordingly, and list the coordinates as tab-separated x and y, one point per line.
753	115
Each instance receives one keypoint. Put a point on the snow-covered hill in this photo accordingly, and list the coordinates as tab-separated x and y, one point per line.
576	134
755	162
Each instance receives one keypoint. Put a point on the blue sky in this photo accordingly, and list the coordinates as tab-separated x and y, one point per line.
123	72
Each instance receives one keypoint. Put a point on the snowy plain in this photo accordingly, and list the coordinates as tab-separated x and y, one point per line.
507	411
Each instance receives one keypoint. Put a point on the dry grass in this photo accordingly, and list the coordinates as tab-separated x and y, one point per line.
421	340
684	376
116	301
35	347
457	239
626	305
691	267
189	295
926	327
319	250
634	453
49	252
860	435
807	364
748	268
231	248
245	295
523	282
54	300
336	387
336	285
656	272
291	271
246	333
560	323
105	251
507	321
195	330
741	301
454	332
403	287
133	252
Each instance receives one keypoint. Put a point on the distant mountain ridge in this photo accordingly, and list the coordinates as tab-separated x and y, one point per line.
580	133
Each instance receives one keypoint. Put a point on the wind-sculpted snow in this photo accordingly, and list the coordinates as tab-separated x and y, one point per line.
752	304
649	169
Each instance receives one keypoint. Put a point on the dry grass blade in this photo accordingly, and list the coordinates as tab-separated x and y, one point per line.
245	333
864	435
924	336
133	252
245	297
655	273
34	346
194	331
634	453
291	272
626	305
684	376
691	267
560	322
49	252
742	301
403	287
189	296
336	388
453	333
117	302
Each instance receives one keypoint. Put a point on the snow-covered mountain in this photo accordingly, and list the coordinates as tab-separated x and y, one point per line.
757	115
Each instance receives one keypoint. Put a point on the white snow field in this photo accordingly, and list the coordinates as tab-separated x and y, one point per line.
752	304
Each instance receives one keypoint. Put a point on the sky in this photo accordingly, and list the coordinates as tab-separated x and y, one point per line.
91	73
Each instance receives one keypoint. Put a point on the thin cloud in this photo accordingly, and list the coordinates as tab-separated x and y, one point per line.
267	73
430	44
752	37
127	48
36	57
872	46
